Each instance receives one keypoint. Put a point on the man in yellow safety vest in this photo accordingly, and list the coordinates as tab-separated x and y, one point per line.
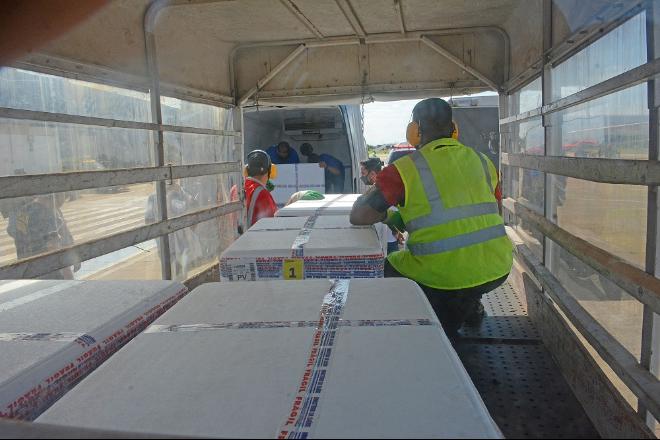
447	196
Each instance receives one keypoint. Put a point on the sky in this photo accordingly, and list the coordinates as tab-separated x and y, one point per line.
385	122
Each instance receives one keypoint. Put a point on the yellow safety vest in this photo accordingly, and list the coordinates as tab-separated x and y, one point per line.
456	237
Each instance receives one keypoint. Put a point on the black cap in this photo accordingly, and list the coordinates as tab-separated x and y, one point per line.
258	163
372	164
306	149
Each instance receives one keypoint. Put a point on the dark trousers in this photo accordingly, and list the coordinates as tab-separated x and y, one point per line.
334	184
392	246
452	307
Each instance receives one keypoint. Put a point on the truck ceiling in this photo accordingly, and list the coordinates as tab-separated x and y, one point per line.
313	51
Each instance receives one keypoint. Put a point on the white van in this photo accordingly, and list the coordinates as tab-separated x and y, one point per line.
334	130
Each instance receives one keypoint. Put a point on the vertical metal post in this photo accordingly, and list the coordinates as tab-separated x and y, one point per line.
652	46
504	177
239	155
157	118
546	98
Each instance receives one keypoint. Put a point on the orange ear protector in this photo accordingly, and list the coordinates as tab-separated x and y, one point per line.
271	175
414	135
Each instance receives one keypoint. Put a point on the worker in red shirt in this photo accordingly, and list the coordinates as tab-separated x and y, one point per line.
258	201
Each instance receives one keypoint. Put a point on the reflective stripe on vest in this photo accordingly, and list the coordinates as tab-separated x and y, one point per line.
484	164
439	214
457	242
253	202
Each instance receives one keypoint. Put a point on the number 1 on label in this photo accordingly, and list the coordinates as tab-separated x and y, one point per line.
293	269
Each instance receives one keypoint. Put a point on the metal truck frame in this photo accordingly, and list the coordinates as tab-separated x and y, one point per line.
348	51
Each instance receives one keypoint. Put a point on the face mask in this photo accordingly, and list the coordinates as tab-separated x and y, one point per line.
365	180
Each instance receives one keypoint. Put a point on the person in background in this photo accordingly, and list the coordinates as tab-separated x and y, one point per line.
258	200
38	227
185	245
9	209
282	154
458	248
369	170
334	168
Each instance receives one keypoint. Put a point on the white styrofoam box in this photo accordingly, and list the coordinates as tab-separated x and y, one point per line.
262	252
333	204
297	177
322	222
251	360
53	333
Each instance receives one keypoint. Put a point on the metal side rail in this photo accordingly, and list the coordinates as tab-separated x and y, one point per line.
515	374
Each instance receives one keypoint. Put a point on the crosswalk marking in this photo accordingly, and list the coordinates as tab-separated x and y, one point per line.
87	221
82	227
8	253
92	220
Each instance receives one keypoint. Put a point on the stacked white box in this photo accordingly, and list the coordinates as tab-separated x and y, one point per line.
53	333
281	244
322	222
258	360
332	204
297	177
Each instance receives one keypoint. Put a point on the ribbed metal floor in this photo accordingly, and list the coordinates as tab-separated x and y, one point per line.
517	378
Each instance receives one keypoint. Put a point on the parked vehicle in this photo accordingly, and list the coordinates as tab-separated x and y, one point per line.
398	151
334	130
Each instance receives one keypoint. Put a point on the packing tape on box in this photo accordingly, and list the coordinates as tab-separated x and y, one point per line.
300	418
298	423
294	268
9	286
25	398
50	337
298	246
251	325
323	228
41	293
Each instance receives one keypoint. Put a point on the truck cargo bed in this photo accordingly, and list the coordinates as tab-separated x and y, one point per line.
515	374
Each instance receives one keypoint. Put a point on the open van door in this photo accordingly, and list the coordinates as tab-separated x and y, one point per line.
477	118
355	131
332	129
